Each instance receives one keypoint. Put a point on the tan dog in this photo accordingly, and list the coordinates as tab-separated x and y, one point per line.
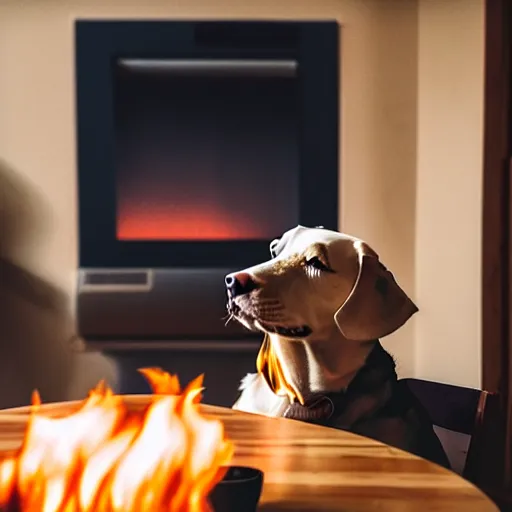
322	301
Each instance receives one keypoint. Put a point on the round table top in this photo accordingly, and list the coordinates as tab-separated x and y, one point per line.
313	468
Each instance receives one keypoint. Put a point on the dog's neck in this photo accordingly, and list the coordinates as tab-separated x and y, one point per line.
308	367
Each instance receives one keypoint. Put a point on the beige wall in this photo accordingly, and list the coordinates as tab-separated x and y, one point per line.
449	191
381	101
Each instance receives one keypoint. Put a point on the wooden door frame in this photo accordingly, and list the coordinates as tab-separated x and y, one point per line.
497	220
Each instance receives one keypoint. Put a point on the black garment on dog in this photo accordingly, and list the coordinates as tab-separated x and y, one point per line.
375	404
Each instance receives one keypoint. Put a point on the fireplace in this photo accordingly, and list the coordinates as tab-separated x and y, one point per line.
198	143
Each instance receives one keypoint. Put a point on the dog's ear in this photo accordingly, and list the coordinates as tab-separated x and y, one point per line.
376	306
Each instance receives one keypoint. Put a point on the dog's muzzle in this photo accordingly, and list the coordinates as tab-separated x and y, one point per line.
238	286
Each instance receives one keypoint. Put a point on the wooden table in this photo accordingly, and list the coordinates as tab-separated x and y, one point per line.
312	468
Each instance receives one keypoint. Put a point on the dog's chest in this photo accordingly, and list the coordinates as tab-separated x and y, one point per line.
258	398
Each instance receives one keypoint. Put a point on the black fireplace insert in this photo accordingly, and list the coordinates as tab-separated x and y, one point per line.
198	143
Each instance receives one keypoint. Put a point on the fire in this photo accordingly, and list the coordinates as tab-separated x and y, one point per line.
269	365
105	457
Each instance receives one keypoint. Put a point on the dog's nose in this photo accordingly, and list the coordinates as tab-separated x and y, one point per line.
240	283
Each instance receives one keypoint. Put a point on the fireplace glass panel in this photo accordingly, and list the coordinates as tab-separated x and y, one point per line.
206	150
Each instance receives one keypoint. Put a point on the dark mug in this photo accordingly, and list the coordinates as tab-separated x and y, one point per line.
238	491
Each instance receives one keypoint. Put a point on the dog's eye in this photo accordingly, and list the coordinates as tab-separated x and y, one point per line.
316	262
273	247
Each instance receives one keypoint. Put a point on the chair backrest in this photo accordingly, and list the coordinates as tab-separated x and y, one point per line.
458	415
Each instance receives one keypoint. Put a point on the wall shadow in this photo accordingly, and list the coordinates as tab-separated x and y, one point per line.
35	324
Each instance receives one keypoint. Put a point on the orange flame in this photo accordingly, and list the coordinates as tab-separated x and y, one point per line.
269	365
166	457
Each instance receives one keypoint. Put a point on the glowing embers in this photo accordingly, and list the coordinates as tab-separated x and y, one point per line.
194	222
164	457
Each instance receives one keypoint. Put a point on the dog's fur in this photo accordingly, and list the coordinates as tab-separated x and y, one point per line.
322	301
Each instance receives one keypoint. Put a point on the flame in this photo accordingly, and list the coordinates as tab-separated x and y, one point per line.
165	457
269	365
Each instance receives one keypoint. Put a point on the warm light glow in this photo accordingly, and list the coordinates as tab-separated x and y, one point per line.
105	457
269	365
191	224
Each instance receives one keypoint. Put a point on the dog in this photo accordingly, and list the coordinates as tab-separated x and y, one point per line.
322	301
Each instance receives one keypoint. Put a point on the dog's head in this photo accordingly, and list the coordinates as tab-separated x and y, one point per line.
316	281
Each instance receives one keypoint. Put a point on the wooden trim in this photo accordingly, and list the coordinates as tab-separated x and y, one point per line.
497	249
495	239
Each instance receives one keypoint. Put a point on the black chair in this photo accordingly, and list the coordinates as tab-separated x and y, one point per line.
467	423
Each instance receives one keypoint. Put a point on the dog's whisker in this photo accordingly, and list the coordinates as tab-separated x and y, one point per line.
270	308
229	318
269	302
272	313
